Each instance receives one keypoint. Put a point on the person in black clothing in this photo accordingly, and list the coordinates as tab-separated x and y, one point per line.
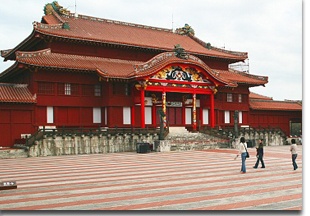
260	154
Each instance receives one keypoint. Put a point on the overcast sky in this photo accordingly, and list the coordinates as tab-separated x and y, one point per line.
269	30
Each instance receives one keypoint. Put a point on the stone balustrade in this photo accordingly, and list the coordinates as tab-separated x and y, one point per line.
96	144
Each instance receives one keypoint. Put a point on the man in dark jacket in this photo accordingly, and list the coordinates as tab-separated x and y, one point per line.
260	154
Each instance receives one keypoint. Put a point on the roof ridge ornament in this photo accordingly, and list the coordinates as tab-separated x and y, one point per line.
55	9
49	7
180	52
186	30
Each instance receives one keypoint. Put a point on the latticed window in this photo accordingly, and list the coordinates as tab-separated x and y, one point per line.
75	89
97	90
118	89
46	88
68	89
91	90
127	89
240	98
121	89
87	90
229	97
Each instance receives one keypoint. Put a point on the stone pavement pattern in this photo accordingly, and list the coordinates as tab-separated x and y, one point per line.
191	180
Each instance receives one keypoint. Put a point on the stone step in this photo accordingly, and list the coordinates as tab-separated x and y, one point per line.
182	134
6	153
178	130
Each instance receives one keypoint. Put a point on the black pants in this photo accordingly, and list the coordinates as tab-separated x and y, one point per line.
294	156
259	158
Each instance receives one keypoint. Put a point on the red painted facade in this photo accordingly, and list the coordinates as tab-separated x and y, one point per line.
122	81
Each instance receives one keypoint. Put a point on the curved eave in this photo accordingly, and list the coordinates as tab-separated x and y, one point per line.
143	71
104	76
10	55
60	68
10	101
242	78
251	84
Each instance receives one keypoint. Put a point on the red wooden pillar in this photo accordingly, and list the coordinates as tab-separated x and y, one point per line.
142	96
154	115
183	113
164	108
200	115
194	113
133	116
212	123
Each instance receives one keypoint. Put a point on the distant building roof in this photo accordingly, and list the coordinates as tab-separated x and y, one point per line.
261	102
257	104
259	96
15	93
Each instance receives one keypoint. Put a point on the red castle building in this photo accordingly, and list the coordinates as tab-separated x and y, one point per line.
82	71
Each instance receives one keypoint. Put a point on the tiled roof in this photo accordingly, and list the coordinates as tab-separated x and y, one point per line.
115	68
99	30
15	93
242	77
258	96
256	104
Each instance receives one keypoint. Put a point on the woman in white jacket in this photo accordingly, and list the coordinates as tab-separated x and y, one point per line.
242	151
293	150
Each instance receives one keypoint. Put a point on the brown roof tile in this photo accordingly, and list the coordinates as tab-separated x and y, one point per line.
116	32
258	96
242	77
15	93
51	19
256	104
115	68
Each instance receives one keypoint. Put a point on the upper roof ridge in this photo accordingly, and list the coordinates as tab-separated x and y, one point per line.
92	18
59	12
70	15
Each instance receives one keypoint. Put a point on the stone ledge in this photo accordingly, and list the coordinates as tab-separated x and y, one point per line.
12	153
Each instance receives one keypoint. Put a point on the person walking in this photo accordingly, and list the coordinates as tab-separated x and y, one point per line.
242	153
260	154
293	150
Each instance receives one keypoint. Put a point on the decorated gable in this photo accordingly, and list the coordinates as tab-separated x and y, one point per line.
183	74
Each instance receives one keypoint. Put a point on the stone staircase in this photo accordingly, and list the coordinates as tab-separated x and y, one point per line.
180	139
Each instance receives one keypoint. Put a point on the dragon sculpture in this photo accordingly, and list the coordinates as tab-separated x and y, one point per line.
186	30
48	9
180	52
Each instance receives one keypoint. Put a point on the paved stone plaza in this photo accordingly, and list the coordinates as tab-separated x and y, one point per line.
191	180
